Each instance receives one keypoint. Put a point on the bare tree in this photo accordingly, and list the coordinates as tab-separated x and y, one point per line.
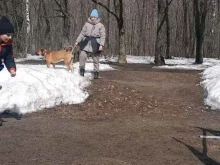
118	14
28	26
45	15
65	15
185	28
161	18
200	12
167	29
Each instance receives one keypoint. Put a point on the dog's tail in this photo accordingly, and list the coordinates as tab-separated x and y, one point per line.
70	49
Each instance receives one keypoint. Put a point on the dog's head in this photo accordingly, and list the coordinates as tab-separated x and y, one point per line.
41	52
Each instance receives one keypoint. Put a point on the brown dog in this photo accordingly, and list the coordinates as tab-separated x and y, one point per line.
53	57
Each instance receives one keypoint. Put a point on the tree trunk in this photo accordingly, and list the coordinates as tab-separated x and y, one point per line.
185	31
158	52
28	28
168	31
199	50
66	24
47	21
122	53
200	11
108	27
158	46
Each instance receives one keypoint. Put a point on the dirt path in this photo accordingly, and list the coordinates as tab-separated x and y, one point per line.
135	115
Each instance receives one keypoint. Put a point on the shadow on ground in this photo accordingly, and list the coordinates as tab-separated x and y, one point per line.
203	156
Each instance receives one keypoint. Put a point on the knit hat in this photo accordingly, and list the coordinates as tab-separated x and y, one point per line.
94	13
6	26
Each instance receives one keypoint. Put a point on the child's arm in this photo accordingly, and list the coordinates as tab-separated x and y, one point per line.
9	60
81	35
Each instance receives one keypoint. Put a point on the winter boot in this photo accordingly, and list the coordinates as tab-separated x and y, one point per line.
82	71
96	75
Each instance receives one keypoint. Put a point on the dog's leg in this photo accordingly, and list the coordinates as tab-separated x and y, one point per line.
48	64
71	64
54	66
71	68
68	65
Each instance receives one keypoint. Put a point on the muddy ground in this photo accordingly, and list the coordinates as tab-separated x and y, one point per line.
135	115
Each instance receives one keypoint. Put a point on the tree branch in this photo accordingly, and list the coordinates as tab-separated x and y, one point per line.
57	16
164	17
107	9
61	9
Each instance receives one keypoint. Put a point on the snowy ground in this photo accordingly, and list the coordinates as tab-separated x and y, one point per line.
30	57
188	63
211	84
36	87
130	59
175	63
